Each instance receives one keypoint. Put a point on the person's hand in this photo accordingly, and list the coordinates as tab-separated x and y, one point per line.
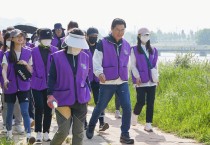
50	100
23	62
102	78
138	81
6	82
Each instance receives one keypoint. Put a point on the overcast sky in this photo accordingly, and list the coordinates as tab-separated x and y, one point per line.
167	15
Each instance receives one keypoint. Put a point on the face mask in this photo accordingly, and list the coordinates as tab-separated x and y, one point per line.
74	51
46	42
92	40
144	39
36	43
8	43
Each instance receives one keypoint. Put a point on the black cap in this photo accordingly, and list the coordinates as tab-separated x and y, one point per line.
45	33
92	30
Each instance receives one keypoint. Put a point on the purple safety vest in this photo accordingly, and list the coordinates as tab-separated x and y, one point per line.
40	72
15	83
69	88
91	75
1	58
142	66
115	66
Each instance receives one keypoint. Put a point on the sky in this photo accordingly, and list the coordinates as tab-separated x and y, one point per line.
166	15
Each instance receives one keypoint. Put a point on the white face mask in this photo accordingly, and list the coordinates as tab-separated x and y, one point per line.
36	43
46	42
74	51
145	38
8	43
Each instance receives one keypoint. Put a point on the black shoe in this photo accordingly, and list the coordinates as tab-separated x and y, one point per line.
103	127
90	131
126	140
38	140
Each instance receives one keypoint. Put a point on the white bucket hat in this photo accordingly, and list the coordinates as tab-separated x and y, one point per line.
76	41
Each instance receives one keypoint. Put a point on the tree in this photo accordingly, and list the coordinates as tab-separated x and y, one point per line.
153	37
203	37
183	35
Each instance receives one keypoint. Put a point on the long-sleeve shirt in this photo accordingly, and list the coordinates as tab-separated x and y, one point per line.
135	70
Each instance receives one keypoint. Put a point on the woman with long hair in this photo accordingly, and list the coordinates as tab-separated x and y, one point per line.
143	59
17	120
14	86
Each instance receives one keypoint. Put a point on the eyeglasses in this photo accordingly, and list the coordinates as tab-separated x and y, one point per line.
119	31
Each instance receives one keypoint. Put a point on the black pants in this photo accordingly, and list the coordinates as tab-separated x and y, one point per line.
41	107
95	89
145	94
31	105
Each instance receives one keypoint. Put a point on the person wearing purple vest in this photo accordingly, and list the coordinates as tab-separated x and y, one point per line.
13	84
143	58
68	87
58	34
41	64
92	36
110	65
17	113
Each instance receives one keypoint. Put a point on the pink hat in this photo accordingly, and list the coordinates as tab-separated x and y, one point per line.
143	31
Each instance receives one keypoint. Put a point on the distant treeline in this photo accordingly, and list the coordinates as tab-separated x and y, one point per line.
201	37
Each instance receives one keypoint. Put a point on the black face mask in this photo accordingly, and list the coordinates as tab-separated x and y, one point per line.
92	40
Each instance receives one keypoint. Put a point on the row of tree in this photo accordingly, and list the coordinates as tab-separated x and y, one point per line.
201	37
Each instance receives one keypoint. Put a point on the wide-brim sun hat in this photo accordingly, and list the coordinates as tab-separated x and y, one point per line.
75	41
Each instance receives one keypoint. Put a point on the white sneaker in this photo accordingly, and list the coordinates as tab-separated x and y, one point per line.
117	114
19	129
39	137
9	135
13	122
134	119
148	127
46	137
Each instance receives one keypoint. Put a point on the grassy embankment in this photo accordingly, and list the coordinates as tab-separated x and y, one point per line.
182	104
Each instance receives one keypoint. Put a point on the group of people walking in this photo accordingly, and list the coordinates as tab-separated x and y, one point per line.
66	68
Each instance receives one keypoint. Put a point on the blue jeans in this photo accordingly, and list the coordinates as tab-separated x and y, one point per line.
24	112
105	94
95	86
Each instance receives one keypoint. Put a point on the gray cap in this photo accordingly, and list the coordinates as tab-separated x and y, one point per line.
15	33
143	31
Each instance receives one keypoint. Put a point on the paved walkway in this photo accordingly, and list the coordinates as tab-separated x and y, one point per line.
112	135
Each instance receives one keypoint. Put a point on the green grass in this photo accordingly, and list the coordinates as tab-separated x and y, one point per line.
3	141
182	104
183	101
